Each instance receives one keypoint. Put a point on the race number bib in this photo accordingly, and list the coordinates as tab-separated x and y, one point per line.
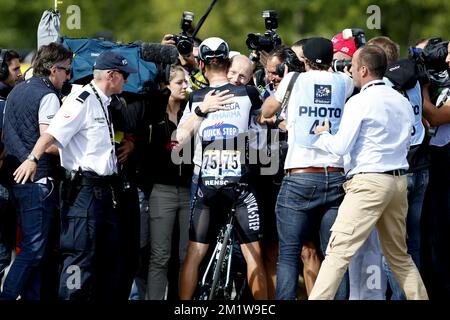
221	163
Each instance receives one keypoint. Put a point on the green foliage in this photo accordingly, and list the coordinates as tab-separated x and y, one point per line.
148	20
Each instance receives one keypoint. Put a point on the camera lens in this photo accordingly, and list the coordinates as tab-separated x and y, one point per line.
184	47
339	65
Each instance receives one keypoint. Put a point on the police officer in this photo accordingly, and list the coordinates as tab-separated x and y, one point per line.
30	107
83	132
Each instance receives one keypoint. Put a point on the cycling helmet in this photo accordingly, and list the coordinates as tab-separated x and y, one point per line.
213	50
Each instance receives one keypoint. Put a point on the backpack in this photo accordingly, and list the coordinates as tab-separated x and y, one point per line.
86	51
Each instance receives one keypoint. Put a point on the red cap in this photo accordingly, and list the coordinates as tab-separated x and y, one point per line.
346	46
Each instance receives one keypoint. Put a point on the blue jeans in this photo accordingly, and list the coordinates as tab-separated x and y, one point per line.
35	206
307	203
417	185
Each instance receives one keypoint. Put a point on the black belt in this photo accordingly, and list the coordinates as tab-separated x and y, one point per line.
398	172
100	181
88	178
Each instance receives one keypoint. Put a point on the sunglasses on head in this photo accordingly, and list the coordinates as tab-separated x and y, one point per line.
68	70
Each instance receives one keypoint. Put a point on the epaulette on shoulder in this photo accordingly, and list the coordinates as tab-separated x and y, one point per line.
82	96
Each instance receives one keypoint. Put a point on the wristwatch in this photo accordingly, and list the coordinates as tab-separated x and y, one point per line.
199	112
31	157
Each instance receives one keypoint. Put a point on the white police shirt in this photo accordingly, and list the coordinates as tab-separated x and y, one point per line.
375	129
82	135
316	96
414	95
442	136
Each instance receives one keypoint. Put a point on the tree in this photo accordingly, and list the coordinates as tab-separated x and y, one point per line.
148	20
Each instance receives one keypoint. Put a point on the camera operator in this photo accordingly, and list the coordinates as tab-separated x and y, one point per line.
316	94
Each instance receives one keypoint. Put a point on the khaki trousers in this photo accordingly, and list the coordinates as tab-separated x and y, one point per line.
372	199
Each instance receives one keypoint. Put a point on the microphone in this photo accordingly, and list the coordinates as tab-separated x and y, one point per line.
159	53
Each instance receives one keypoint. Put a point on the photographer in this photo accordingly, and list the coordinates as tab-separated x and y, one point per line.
316	94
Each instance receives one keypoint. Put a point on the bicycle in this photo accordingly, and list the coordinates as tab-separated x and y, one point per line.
217	280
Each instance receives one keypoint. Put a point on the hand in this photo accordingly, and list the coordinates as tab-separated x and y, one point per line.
168	39
282	126
188	62
216	102
267	121
125	149
26	170
347	71
286	70
263	56
325	127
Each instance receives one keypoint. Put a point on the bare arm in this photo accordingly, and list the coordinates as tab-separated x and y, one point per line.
211	103
53	149
270	107
28	168
435	116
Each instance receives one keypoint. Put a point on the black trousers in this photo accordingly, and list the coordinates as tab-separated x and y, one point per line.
90	246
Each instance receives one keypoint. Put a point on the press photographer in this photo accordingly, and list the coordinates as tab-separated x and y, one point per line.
344	45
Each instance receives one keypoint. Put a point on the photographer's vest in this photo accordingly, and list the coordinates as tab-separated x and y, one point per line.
316	96
21	125
442	136
414	95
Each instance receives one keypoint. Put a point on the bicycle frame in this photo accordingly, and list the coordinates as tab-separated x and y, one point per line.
219	262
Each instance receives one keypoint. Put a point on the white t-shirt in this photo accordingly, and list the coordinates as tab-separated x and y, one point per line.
316	96
48	107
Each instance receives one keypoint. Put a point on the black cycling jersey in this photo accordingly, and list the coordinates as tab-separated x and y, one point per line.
224	137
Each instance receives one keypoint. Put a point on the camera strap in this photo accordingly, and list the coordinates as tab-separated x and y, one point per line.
286	97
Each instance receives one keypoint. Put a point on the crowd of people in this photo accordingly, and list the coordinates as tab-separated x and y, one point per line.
107	195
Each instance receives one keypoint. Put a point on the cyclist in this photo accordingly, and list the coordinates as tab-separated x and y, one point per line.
219	116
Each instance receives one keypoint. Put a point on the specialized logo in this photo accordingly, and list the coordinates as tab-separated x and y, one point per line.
219	131
322	94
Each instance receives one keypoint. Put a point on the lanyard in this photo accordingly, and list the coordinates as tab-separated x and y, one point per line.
111	135
374	84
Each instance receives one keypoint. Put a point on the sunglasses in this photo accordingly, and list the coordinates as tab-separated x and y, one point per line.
68	70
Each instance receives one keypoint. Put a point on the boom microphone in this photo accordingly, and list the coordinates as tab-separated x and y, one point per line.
159	53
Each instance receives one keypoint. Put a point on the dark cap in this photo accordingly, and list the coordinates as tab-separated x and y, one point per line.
110	60
318	50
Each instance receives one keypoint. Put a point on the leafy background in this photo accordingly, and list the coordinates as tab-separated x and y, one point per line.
404	21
